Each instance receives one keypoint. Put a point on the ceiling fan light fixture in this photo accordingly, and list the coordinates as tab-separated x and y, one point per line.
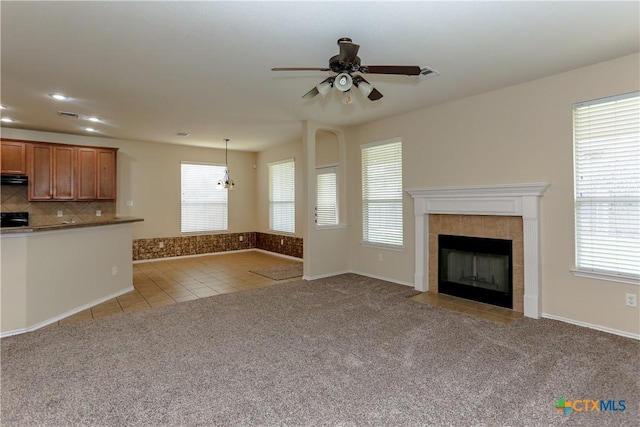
347	98
343	82
365	88
324	88
347	62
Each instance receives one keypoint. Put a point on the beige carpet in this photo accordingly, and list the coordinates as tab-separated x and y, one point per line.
340	351
281	271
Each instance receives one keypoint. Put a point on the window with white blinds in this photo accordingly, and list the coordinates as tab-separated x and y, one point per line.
607	186
282	197
382	193
203	207
327	193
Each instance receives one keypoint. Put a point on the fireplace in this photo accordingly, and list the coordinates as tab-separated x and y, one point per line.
501	200
475	268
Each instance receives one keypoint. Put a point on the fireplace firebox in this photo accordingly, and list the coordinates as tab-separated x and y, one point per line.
476	268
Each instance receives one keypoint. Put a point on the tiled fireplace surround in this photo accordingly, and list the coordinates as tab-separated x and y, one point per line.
493	227
508	211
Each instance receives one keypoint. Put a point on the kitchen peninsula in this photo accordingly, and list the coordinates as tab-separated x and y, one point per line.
51	272
70	250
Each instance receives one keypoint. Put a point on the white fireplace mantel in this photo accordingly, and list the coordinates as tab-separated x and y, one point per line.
503	199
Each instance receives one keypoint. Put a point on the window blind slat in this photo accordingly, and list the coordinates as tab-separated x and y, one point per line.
327	194
607	184
382	193
282	197
203	207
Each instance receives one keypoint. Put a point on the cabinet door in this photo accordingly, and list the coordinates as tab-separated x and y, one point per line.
13	158
64	162
107	174
40	172
87	174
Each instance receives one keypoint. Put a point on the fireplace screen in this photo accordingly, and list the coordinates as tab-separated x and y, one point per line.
476	268
480	270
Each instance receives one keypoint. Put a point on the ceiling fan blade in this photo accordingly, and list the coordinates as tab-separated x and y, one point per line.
313	92
405	70
348	51
375	95
300	69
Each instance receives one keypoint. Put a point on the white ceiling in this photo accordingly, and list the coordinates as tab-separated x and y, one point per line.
152	69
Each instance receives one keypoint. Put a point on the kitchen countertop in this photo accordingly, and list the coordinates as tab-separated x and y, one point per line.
63	226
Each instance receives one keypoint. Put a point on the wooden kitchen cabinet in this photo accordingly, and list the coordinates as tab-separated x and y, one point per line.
13	157
107	174
70	172
51	172
40	172
96	173
87	173
64	170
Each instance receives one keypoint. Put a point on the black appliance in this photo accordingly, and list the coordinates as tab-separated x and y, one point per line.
14	219
14	180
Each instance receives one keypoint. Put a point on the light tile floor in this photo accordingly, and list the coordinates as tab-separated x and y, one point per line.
165	282
461	305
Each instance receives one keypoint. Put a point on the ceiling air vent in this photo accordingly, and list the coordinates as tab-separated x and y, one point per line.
426	73
68	114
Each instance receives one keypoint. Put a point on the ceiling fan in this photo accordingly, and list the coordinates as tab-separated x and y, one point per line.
345	64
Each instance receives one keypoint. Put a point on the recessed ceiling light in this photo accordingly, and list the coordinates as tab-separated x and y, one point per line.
58	96
7	120
93	119
90	130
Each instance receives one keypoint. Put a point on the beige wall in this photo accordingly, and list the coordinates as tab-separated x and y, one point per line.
149	175
327	148
272	155
50	275
518	134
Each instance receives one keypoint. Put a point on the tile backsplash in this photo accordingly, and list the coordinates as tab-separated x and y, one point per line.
15	199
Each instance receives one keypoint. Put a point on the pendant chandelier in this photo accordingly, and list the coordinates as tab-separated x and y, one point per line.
226	182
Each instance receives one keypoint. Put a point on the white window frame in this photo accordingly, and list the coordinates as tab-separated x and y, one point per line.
327	170
205	198
607	188
281	198
395	238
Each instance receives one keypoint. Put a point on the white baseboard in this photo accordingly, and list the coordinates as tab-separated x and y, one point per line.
592	326
67	314
386	279
322	276
277	254
140	261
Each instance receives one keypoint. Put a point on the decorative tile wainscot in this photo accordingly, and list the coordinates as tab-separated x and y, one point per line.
163	247
510	200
